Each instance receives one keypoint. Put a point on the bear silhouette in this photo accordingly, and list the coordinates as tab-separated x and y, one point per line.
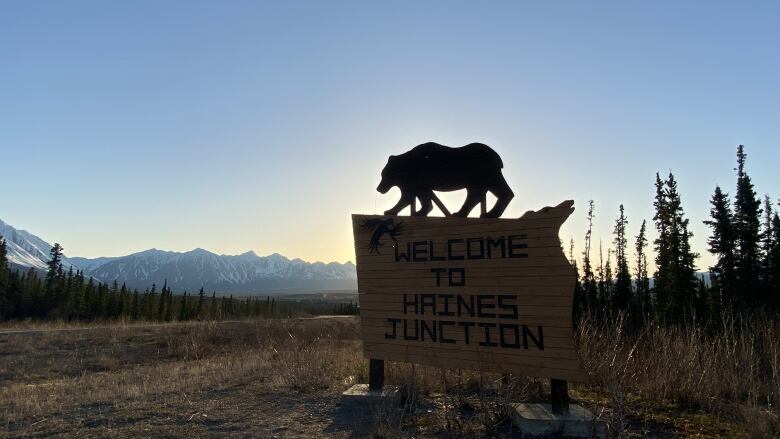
432	167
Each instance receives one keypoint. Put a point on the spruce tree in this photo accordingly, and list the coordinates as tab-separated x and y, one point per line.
183	311
644	304
722	244
169	306
5	302
747	211
589	286
774	264
579	296
53	274
675	277
623	293
767	244
662	284
201	308
90	300
135	312
124	302
151	303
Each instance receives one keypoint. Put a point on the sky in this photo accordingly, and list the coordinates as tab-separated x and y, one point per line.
246	125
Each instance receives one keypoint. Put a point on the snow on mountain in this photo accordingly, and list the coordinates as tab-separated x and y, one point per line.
198	268
190	270
25	249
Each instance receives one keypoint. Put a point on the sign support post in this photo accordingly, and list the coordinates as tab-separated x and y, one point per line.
559	393
376	374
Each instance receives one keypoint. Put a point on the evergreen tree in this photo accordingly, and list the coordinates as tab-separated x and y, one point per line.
90	300
183	314
675	277
774	265
53	277
722	243
767	245
99	310
747	211
135	312
124	301
663	258
579	297
623	293
589	286
151	302
201	308
169	305
163	302
5	302
644	303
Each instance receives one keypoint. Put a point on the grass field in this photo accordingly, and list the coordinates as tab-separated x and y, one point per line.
283	378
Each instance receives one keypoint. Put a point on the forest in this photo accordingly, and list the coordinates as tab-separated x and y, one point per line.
70	295
744	282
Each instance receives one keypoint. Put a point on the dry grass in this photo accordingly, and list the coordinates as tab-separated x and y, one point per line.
729	375
283	378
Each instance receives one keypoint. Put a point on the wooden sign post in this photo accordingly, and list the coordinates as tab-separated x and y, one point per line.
477	293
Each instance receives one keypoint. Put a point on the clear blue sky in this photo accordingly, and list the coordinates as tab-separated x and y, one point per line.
263	125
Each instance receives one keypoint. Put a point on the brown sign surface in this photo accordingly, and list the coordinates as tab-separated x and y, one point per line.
476	293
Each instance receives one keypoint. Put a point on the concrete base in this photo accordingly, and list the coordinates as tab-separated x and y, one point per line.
359	393
539	420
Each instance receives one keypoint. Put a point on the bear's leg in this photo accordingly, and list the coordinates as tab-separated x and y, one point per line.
503	196
406	200
426	204
473	197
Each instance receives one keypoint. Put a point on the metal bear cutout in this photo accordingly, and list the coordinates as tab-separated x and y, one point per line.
432	167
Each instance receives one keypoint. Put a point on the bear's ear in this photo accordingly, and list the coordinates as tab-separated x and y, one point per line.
392	158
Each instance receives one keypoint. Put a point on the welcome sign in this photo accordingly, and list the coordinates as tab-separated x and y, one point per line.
477	293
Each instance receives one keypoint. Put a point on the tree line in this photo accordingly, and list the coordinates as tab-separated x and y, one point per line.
70	295
744	238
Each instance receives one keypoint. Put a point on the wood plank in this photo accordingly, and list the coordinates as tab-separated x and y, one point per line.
524	291
544	320
486	282
381	326
440	239
566	359
363	252
553	346
548	371
489	298
562	312
420	270
386	261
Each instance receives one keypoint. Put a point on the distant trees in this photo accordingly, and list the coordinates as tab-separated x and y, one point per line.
745	275
642	282
4	299
675	275
589	286
69	295
622	298
745	278
746	222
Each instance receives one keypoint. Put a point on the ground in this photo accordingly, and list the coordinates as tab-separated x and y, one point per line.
272	378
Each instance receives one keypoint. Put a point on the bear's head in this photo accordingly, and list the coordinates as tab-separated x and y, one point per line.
389	175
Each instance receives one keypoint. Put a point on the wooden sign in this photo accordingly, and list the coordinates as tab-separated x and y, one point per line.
477	293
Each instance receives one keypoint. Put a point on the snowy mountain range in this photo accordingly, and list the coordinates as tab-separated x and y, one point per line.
245	273
25	249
